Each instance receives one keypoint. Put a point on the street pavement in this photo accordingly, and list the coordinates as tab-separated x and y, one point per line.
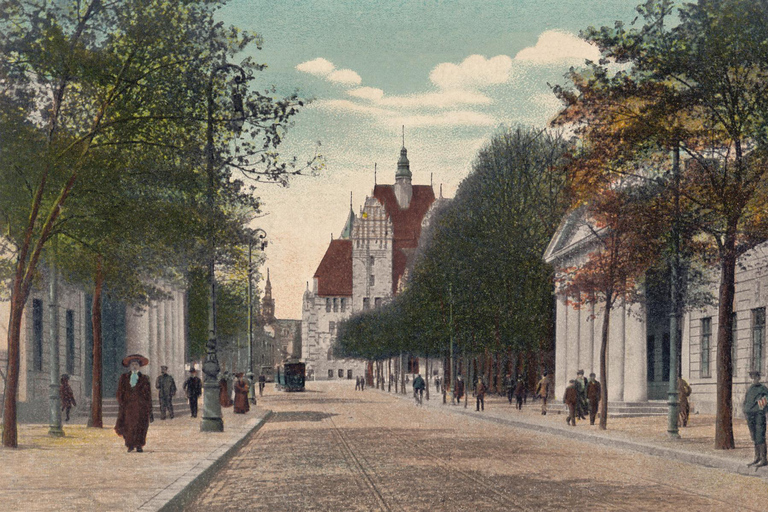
333	448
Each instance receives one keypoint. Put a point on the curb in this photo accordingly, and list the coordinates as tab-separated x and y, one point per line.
187	486
700	459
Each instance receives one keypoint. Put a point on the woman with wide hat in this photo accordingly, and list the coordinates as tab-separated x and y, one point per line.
241	395
134	396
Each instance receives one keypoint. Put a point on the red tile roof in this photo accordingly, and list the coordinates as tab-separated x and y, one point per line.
334	274
406	223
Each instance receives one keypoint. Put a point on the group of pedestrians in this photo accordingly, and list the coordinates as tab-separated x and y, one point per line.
359	383
515	388
582	397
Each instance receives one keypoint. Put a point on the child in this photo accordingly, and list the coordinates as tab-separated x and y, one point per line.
67	397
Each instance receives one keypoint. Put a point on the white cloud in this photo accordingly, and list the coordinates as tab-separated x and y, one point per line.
349	106
345	76
442	99
367	93
452	118
475	71
557	47
318	67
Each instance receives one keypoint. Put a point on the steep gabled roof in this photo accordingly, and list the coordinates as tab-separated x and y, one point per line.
334	274
572	235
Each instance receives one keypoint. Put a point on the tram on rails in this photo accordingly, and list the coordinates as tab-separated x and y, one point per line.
290	377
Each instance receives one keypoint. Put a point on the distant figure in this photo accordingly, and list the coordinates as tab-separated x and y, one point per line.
166	390
480	395
593	395
249	377
571	399
418	389
458	392
66	395
262	383
509	386
193	387
357	383
437	384
224	399
543	390
755	402
134	396
582	406
520	392
241	394
362	383
683	392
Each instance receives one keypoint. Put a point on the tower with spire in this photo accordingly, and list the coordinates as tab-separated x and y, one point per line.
403	186
268	303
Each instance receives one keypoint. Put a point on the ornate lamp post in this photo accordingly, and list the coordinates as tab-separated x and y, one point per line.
253	235
212	421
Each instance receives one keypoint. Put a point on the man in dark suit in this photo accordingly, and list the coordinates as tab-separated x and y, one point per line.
194	388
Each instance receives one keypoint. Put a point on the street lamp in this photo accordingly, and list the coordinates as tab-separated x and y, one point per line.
212	421
255	236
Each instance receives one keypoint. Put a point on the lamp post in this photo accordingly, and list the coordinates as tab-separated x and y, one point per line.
212	421
674	316
252	237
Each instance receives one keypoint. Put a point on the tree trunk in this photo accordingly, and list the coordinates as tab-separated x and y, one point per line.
389	374
724	418
10	438
603	362
426	374
96	419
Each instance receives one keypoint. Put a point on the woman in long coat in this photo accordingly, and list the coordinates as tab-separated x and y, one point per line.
241	395
134	396
224	399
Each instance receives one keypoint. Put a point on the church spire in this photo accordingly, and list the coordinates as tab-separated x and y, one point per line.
403	165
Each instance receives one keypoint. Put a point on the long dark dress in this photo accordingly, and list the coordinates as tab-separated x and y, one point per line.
224	394
241	397
135	408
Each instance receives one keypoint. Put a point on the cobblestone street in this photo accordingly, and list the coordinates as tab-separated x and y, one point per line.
332	448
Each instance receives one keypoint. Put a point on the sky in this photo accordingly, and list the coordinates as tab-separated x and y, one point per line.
451	72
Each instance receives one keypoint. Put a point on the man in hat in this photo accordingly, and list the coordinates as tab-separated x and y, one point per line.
582	406
193	388
241	394
544	391
166	389
571	399
754	409
134	396
593	395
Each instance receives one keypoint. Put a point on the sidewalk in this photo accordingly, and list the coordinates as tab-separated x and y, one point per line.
644	434
90	469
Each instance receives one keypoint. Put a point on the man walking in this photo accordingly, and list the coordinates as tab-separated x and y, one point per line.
582	406
418	389
544	391
520	392
593	395
458	391
166	390
571	399
193	387
480	394
683	392
262	383
754	409
509	385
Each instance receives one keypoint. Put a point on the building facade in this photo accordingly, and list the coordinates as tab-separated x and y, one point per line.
362	269
638	358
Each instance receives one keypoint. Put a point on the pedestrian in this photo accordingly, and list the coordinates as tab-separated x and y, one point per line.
509	385
357	383
437	384
66	395
571	399
362	383
684	411
520	392
193	388
166	390
262	383
754	409
543	390
582	405
480	394
224	399
458	392
134	398
241	394
249	377
418	389
593	395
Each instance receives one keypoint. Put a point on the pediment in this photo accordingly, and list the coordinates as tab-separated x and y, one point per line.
573	235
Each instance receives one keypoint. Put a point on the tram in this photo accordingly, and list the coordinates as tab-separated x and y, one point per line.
290	377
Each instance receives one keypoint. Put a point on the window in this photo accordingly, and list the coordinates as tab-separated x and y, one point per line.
330	374
706	341
341	373
734	345
366	304
377	302
332	327
330	355
37	334
335	305
665	357
372	260
372	280
758	337
349	374
327	305
651	355
70	355
343	305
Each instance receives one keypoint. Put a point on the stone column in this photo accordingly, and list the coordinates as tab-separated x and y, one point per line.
616	354
574	330
586	341
598	340
152	340
561	344
168	335
635	360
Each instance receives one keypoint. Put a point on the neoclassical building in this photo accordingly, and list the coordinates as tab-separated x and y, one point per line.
639	339
363	268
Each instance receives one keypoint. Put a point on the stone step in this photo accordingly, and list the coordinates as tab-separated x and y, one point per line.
110	407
